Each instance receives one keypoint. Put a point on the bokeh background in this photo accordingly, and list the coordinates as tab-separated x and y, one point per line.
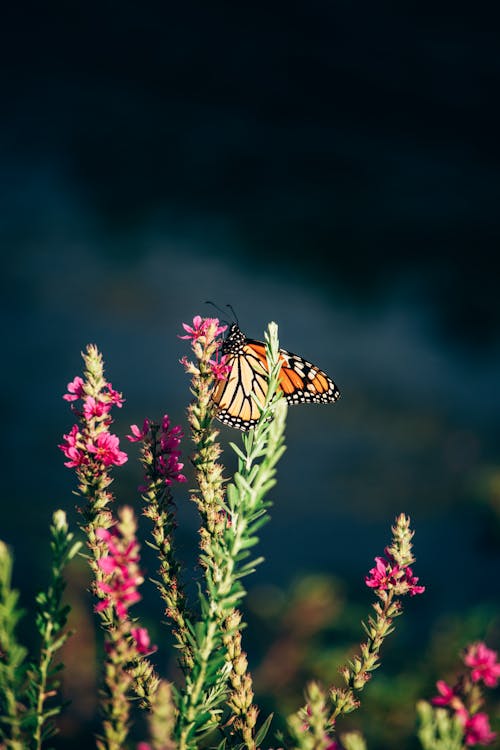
328	165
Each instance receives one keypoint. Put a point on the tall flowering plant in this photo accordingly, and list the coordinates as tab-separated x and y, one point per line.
314	726
92	451
213	703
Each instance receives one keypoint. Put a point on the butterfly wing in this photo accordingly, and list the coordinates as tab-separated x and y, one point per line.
300	381
247	376
303	382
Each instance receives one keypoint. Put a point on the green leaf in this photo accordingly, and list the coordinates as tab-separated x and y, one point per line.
263	730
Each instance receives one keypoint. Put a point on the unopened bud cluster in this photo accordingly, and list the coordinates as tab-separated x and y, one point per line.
240	699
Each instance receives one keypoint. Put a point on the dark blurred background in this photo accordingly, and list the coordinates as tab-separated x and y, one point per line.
330	166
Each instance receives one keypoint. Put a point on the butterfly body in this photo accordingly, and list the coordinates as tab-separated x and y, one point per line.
299	380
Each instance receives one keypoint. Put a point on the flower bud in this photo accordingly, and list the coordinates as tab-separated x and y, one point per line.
60	521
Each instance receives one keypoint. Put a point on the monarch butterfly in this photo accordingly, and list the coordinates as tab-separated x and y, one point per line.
299	380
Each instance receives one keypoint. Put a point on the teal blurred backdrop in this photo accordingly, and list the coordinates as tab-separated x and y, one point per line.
332	167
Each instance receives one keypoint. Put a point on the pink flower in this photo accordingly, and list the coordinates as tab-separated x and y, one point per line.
121	556
144	746
170	469
71	450
483	663
185	362
138	434
202	327
220	370
94	408
170	439
447	695
383	576
106	449
412	581
196	330
142	641
477	730
214	327
115	397
75	390
121	593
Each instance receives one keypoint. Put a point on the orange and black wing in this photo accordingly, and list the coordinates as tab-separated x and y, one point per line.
303	382
247	376
300	381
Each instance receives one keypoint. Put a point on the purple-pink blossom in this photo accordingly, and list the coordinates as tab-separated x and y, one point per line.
387	575
75	390
168	464
115	397
383	576
121	555
95	408
142	641
483	663
72	450
448	696
477	730
196	330
138	433
412	582
219	369
120	594
106	449
202	327
464	698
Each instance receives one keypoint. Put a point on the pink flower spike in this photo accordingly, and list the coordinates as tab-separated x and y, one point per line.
138	433
120	564
477	730
106	449
483	663
144	746
75	390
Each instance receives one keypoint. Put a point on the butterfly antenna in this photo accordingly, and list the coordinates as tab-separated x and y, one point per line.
219	309
233	313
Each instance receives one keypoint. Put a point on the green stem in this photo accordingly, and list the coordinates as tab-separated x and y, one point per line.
45	658
116	704
194	692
